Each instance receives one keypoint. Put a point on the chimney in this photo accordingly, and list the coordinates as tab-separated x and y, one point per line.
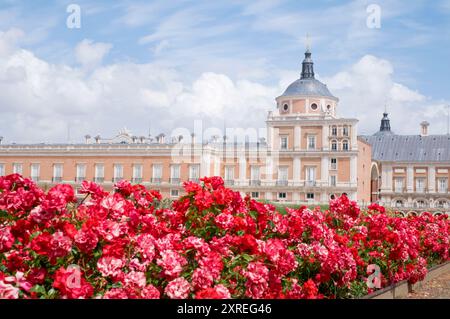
1	139
424	128
161	138
87	138
97	139
134	138
142	138
193	138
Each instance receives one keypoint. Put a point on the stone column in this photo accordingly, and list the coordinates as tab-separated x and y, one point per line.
353	171
410	178
324	170
354	136
431	179
325	134
297	137
242	170
296	170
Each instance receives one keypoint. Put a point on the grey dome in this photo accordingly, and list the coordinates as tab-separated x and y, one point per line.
309	87
307	84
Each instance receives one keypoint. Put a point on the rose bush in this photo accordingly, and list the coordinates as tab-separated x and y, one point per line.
210	243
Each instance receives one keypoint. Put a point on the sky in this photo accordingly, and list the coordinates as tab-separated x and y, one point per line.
156	66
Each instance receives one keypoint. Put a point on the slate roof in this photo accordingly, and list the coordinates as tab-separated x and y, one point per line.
409	148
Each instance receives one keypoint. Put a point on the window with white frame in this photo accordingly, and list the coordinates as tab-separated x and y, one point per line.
35	171
420	185
334	130
118	172
398	184
18	168
255	173
229	173
81	172
334	145
157	172
255	194
345	130
283	174
311	142
284	142
175	171
310	175
99	173
345	145
137	173
442	185
57	172
194	172
174	192
2	169
333	180
333	163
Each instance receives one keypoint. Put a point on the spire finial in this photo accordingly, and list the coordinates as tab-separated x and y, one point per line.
308	42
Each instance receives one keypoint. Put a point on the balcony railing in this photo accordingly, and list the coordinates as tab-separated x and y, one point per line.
400	189
255	182
117	179
281	183
80	179
156	180
175	181
442	190
34	178
99	179
194	179
310	183
56	179
136	180
229	182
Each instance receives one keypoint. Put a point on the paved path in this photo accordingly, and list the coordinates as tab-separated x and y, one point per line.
438	288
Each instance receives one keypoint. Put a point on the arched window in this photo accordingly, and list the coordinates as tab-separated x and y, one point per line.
420	204
345	145
398	203
334	145
441	204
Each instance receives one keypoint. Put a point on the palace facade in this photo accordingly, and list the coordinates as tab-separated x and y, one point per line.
309	155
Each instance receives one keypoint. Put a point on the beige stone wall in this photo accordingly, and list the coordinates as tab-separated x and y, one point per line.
364	171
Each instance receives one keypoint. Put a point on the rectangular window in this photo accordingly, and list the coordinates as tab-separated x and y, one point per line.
229	174
333	180
18	168
137	173
174	192
310	176
398	184
284	143
345	131
157	173
333	163
255	194
255	175
283	174
442	185
35	172
81	172
57	172
194	172
2	169
334	131
309	196
282	195
420	185
345	145
99	173
311	142
175	174
118	172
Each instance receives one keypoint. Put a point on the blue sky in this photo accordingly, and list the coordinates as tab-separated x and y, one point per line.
244	52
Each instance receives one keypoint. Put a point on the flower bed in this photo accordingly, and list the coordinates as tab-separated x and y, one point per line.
211	243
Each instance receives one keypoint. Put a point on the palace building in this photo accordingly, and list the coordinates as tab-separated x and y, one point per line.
309	155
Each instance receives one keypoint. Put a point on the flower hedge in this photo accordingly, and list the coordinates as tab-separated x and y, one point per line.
210	243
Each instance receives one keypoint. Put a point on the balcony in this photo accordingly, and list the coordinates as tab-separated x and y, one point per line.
99	179
175	181
117	179
310	183
194	179
442	190
255	182
400	190
34	178
281	183
136	180
229	182
57	179
80	179
156	180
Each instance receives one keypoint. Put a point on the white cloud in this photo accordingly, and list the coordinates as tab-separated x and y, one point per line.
90	54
